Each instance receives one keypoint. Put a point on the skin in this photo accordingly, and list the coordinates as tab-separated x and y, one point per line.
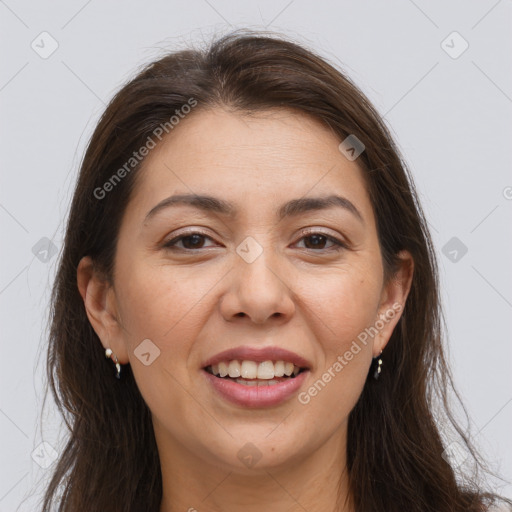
304	297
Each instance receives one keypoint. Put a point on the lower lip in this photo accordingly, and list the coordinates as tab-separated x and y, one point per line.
256	396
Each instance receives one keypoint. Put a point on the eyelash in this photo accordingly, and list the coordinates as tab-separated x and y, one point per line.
338	244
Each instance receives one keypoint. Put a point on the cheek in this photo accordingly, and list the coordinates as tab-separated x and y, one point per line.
346	308
158	305
330	397
169	308
158	301
344	303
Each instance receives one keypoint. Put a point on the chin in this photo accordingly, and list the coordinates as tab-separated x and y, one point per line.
252	453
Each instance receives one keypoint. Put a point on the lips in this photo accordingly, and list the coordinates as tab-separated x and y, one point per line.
258	355
256	396
273	384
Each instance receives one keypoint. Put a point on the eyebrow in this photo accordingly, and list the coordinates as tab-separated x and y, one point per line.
292	208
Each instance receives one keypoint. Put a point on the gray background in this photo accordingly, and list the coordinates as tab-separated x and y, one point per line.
449	113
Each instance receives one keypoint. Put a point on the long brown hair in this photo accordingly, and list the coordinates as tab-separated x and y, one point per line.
395	450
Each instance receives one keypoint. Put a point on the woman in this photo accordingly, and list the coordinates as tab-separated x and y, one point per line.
246	248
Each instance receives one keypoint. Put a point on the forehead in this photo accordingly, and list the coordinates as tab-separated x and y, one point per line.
263	157
276	138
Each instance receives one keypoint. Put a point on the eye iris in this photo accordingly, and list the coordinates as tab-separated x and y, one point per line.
318	241
197	241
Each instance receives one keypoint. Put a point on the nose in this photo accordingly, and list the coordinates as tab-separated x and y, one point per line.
258	291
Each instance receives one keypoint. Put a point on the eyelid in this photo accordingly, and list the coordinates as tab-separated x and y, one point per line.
168	242
314	230
339	244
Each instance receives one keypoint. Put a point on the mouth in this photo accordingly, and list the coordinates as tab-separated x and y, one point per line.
255	384
254	373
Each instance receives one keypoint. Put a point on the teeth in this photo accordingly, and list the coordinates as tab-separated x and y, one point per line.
288	369
223	369
257	383
248	382
234	369
265	370
279	369
249	369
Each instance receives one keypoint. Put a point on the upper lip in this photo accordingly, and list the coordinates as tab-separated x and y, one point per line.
258	355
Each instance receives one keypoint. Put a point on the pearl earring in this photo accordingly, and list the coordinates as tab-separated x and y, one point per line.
377	366
109	354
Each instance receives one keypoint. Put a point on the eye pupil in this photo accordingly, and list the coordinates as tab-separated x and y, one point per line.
197	241
318	241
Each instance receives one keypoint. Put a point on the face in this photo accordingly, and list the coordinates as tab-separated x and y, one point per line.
261	268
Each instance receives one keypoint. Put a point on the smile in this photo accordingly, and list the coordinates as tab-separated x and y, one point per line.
255	384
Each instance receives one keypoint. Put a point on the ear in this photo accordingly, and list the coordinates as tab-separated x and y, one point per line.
393	297
101	307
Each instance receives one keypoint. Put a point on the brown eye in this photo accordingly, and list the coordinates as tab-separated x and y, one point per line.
318	241
189	241
315	241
